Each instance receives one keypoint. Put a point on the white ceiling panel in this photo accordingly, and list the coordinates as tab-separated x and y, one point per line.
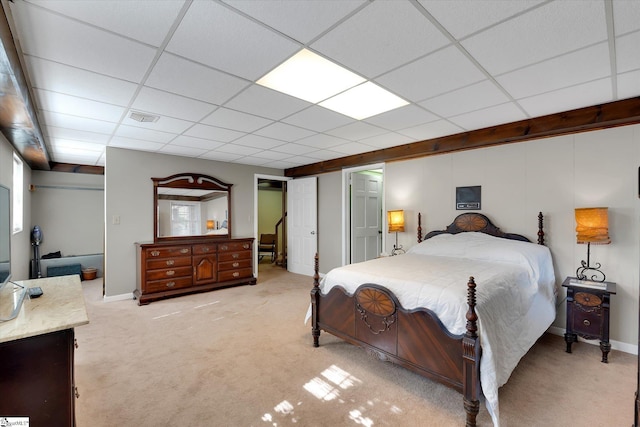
464	17
461	64
470	98
50	36
440	72
300	20
591	93
236	120
65	79
255	51
577	67
183	77
401	34
553	29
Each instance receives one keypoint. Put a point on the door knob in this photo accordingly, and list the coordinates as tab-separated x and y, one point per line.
313	232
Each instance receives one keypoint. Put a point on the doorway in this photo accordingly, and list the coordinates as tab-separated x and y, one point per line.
363	219
270	219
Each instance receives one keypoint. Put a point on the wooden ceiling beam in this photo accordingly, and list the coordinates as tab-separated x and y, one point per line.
612	114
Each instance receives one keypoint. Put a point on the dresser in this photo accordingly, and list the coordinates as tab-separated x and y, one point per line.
174	268
37	354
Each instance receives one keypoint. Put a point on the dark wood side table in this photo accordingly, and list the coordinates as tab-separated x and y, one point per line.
588	313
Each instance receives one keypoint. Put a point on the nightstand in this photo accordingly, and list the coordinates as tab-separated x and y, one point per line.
588	312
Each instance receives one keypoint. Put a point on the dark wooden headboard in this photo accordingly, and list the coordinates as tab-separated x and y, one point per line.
473	221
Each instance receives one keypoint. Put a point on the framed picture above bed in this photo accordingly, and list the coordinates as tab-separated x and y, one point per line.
468	198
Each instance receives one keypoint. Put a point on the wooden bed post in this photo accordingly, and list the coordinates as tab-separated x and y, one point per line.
419	227
540	230
315	298
471	358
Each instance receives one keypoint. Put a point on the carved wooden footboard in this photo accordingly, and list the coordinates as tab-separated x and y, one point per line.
416	339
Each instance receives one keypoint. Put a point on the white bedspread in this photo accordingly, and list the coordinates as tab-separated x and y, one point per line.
515	293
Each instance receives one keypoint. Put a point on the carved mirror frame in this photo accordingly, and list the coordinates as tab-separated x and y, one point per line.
189	181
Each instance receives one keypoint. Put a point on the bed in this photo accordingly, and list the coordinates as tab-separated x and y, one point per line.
464	304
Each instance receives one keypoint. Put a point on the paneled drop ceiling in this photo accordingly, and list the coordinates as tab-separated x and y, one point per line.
461	65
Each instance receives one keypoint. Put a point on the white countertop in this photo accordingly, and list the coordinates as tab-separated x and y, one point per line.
60	307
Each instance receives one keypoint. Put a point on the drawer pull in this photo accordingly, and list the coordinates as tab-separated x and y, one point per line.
170	273
224	247
236	264
171	284
170	262
155	253
184	251
586	322
205	249
236	256
236	274
246	246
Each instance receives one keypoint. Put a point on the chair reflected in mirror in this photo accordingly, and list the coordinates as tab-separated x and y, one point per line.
267	245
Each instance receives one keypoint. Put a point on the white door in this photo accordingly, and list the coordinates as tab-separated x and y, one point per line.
302	225
366	216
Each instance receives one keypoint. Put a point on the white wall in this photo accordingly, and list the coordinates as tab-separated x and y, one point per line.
555	176
69	209
129	196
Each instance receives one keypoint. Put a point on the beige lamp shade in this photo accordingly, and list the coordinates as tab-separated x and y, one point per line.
395	219
592	226
210	224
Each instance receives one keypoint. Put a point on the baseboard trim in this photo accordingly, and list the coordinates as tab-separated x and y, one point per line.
120	297
615	345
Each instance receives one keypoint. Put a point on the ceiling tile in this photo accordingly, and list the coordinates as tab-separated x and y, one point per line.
141	133
182	151
269	155
164	123
491	116
145	21
213	133
168	104
440	72
77	123
629	84
135	144
464	17
238	149
400	34
626	16
221	157
402	117
258	142
318	119
60	144
265	102
628	57
189	141
203	83
321	141
387	140
319	155
300	20
50	36
552	29
294	149
76	135
591	93
351	148
284	132
256	50
68	80
236	120
470	98
430	130
60	103
357	131
282	164
577	67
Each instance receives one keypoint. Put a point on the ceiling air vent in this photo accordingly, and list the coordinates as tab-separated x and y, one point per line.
143	118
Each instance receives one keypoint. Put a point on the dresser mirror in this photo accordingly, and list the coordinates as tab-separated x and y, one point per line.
189	205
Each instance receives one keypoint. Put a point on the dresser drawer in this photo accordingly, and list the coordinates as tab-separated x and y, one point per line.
240	273
170	273
234	265
233	256
234	246
204	249
167	285
156	264
168	252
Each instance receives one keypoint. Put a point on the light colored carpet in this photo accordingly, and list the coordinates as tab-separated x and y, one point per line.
243	357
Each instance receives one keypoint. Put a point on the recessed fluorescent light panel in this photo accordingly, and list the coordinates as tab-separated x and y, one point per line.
310	77
364	101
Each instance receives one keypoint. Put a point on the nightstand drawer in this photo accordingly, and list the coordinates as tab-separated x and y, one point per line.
587	324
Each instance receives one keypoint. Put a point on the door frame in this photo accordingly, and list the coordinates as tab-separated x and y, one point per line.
346	207
256	178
